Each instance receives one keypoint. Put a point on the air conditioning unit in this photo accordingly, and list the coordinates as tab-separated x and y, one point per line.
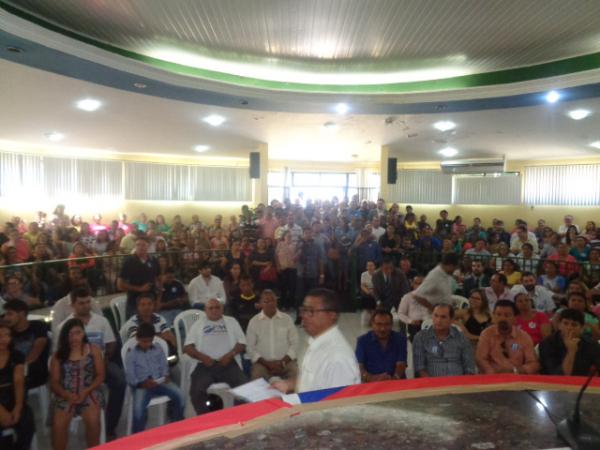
473	166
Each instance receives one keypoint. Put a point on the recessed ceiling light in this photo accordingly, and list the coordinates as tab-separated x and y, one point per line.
552	97
578	114
330	126
595	144
201	148
54	136
214	119
448	152
89	104
342	108
140	85
444	125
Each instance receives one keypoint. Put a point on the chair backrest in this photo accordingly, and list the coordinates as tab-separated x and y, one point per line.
118	306
460	302
130	343
182	323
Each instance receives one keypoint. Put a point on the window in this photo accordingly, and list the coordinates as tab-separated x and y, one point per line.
489	189
574	185
422	186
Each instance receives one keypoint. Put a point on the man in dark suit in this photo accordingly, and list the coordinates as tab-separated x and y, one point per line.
389	285
477	279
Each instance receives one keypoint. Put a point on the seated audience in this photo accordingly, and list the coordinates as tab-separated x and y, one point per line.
30	338
551	280
389	285
476	318
568	351
173	298
503	347
76	374
411	312
63	307
576	299
14	411
528	261
476	279
479	252
216	343
272	341
147	372
145	314
442	350
512	273
497	290
567	264
367	295
381	353
99	332
14	291
535	323
246	304
541	297
205	287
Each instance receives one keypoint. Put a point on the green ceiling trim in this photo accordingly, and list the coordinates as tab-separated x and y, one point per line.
520	74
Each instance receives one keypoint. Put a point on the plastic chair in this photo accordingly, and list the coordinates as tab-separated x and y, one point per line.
182	323
118	306
161	400
460	302
76	420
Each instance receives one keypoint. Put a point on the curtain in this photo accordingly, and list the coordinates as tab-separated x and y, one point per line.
573	185
422	186
487	190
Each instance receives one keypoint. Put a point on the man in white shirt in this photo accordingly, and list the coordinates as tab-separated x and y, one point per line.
100	333
438	285
294	229
523	236
542	297
204	287
216	342
63	309
568	222
497	290
329	360
272	341
411	312
378	230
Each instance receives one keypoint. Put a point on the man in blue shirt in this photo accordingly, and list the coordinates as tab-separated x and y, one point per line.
147	373
381	353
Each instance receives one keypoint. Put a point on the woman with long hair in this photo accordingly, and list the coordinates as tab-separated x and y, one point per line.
76	374
477	317
14	411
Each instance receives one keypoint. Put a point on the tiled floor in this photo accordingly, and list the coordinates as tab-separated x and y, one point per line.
349	323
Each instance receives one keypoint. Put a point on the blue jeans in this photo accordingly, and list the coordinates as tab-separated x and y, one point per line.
141	398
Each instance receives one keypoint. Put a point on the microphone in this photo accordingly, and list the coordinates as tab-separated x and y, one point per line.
578	433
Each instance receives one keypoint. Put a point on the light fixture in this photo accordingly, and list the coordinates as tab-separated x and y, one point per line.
342	108
330	126
201	148
552	97
448	152
214	119
54	136
595	144
578	114
89	104
444	125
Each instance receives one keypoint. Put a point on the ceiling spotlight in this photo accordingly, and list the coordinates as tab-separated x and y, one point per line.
54	136
552	97
595	144
330	126
201	148
578	114
214	119
89	104
342	108
448	152
444	125
140	85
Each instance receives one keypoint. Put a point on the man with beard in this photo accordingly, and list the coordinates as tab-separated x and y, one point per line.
542	297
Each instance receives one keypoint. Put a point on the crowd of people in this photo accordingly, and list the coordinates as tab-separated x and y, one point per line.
470	299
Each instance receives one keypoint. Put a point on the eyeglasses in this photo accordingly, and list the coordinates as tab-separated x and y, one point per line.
309	312
505	350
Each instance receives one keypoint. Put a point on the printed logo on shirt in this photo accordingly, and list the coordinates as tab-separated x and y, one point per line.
215	329
96	337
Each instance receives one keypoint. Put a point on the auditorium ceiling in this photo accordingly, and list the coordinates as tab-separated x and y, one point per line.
323	80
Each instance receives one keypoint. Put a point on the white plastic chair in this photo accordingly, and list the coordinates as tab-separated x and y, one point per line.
118	306
161	400
460	302
185	320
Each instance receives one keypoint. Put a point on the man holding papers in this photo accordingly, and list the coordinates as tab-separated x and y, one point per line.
329	360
